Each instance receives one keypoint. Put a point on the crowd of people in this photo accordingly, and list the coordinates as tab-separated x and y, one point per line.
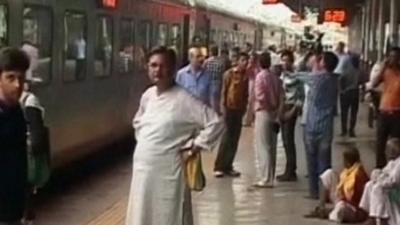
205	104
248	88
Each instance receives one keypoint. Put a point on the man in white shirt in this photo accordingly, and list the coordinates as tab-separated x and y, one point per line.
80	57
381	197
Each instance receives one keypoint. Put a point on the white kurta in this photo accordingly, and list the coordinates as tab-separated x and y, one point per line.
376	199
163	125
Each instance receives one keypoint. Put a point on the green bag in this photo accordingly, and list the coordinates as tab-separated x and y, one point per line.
39	169
394	196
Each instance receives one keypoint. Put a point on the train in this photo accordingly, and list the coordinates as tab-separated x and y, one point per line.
90	65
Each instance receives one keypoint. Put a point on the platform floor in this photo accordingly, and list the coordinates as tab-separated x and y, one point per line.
101	199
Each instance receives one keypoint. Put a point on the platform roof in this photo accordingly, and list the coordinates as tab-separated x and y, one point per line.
277	15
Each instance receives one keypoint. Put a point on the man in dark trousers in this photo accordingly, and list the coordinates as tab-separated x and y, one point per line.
13	153
234	98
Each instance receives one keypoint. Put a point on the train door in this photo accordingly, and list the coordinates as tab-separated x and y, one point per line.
186	37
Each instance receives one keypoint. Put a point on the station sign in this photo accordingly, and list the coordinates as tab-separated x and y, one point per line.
335	15
108	4
270	2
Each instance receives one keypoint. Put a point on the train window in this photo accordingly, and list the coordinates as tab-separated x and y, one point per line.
213	36
3	26
127	42
175	38
75	46
162	34
37	39
104	46
144	36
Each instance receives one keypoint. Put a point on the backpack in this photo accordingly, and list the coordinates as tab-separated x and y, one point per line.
38	150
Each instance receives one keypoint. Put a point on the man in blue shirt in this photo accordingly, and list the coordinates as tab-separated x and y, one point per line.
320	119
194	78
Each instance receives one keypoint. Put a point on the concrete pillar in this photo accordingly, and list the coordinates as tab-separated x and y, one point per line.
367	29
372	31
394	23
381	29
363	28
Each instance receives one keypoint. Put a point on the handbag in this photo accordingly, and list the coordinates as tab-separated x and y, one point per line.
195	178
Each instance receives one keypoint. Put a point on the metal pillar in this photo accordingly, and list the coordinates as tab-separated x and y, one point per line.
394	23
381	29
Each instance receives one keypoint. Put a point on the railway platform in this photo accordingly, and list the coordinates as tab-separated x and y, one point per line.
101	198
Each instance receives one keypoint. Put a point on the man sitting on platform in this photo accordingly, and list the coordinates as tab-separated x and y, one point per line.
381	198
345	194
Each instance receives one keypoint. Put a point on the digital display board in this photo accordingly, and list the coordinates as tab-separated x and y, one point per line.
335	15
109	4
268	2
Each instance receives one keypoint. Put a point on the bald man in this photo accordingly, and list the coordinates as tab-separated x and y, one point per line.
194	78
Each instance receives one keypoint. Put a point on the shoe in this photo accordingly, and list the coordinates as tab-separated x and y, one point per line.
352	134
262	184
281	176
343	134
287	178
233	173
218	174
318	213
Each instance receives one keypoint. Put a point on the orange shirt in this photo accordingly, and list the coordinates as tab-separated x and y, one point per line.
391	93
352	183
235	90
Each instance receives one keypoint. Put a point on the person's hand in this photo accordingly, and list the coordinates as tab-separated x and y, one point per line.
288	114
186	155
368	97
223	112
375	175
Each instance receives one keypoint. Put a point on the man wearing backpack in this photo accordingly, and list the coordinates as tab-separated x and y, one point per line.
13	155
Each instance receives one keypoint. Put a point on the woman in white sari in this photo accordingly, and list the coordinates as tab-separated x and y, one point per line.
167	118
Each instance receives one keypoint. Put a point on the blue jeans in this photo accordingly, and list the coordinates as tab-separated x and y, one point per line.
319	156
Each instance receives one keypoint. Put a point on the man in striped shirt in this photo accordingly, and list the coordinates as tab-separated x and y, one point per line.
294	97
215	66
320	119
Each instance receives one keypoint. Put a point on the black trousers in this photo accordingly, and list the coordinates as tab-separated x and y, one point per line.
349	102
288	138
388	126
230	141
80	69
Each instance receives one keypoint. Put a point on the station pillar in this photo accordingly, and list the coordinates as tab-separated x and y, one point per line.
367	28
373	31
381	29
394	23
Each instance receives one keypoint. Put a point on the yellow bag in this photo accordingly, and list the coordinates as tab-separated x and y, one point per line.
195	178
